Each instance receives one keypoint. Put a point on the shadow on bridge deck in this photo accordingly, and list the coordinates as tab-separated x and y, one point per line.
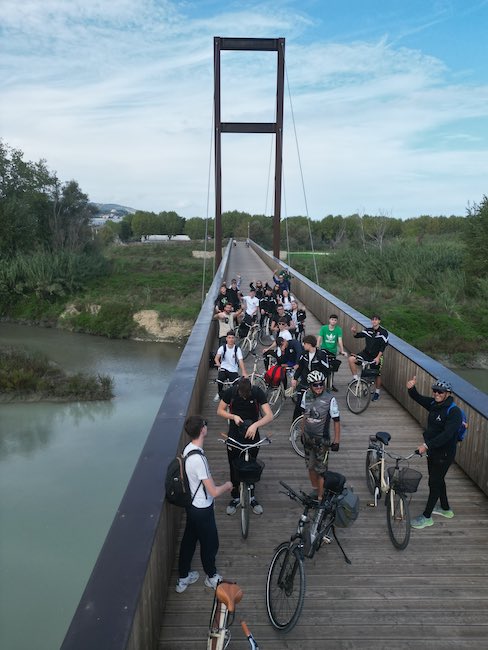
432	595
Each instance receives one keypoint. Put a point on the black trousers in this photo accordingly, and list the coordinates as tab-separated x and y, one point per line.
200	527
438	464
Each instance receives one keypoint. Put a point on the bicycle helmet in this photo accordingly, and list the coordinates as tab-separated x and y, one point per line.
440	384
315	377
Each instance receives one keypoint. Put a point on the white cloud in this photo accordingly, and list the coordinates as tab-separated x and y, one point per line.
119	96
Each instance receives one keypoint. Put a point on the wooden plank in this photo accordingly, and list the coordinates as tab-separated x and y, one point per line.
433	595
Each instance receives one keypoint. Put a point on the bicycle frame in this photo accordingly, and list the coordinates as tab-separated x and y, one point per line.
227	596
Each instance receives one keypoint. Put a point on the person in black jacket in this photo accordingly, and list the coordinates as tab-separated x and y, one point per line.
376	340
440	439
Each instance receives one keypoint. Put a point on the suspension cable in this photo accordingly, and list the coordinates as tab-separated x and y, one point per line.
206	216
301	175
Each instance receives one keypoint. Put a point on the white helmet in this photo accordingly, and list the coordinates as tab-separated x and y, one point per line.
315	377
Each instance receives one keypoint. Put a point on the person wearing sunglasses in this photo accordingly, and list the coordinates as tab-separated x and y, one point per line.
440	440
319	408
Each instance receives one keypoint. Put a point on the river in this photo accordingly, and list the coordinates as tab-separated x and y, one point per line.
63	472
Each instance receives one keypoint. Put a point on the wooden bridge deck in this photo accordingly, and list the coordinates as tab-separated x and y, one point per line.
432	595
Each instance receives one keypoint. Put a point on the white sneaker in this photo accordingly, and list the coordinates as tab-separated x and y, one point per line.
217	398
213	581
183	583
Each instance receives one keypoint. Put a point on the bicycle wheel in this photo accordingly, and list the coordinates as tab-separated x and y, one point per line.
285	588
398	519
372	470
276	396
358	396
245	508
260	383
265	337
245	347
296	436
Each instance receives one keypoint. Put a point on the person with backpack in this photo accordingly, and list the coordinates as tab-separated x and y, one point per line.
440	440
200	516
239	404
228	360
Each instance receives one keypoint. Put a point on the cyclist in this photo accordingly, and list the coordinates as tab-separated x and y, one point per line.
298	317
311	359
227	320
440	444
329	339
252	304
247	404
319	408
376	342
267	304
228	360
200	516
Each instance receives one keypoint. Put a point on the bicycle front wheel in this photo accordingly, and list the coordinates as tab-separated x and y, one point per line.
265	337
398	519
260	383
358	396
372	470
245	347
285	588
245	508
296	436
275	397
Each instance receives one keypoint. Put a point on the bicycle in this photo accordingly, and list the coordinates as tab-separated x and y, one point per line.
249	470
265	334
360	391
296	438
249	342
257	378
225	384
285	581
277	394
227	596
396	483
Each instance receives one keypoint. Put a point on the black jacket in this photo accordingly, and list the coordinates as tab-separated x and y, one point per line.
319	362
440	435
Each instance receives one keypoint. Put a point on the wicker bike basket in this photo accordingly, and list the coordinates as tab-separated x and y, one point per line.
249	471
407	480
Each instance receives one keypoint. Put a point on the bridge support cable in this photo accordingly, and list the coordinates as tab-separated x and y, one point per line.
249	44
302	179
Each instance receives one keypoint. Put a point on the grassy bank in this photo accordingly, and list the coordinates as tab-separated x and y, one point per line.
420	291
163	278
27	376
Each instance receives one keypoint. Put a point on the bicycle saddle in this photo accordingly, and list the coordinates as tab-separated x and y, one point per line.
230	594
383	437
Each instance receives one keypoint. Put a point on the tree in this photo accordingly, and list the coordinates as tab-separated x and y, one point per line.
171	223
475	237
195	228
146	223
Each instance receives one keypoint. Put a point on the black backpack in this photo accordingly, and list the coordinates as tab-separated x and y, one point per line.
176	482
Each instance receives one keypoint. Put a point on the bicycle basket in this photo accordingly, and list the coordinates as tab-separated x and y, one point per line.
407	480
368	373
249	471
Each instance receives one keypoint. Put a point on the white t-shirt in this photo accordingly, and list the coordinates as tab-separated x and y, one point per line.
285	334
228	361
197	469
252	305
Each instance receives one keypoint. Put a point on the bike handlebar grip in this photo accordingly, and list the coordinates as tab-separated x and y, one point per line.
245	628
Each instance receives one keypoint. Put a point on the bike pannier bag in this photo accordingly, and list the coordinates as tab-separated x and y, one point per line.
176	482
274	375
347	508
334	482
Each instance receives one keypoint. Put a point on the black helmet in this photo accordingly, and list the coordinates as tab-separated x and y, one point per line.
442	385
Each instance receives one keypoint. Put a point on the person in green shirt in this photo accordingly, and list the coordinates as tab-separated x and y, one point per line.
330	338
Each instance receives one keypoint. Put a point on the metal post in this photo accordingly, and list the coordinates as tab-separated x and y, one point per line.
218	155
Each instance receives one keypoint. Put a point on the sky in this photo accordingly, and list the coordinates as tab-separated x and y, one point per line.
385	110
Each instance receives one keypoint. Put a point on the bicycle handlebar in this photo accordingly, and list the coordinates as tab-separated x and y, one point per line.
414	453
243	446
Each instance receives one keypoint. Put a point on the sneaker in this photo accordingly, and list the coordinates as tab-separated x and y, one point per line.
334	389
213	581
232	507
376	397
448	514
217	398
421	522
257	508
183	583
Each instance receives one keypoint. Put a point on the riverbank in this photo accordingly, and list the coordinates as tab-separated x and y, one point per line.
31	377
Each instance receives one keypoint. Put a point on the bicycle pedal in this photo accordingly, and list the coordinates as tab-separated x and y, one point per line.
326	539
371	504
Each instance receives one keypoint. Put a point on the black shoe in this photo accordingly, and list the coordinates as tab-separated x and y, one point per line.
334	389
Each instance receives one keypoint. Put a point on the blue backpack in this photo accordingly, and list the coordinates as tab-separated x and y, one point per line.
463	427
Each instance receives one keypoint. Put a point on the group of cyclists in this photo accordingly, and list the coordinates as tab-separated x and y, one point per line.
311	361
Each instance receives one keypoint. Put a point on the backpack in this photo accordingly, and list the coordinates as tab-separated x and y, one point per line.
274	375
347	508
176	482
211	359
463	427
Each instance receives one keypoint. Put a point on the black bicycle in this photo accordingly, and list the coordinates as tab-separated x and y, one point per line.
285	583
